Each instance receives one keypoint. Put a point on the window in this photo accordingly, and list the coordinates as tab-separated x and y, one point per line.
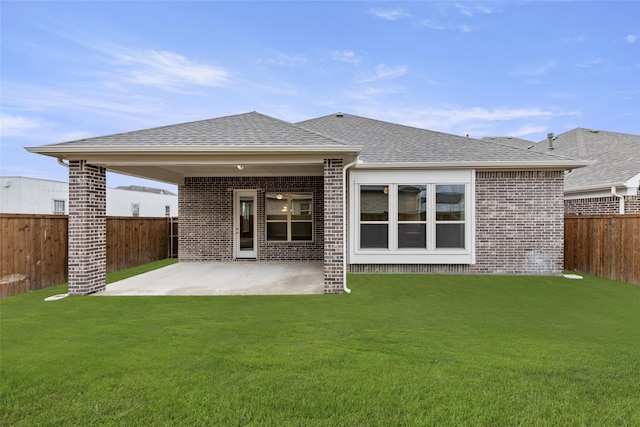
135	209
374	216
412	217
59	207
167	210
449	216
289	216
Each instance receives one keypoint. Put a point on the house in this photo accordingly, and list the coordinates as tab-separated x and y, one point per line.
609	184
359	195
23	195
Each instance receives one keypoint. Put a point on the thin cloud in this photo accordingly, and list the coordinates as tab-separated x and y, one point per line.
535	70
590	63
430	23
345	56
389	15
472	9
464	28
384	72
631	38
169	70
285	59
11	125
528	129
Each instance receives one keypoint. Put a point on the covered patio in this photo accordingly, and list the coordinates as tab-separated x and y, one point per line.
224	278
251	188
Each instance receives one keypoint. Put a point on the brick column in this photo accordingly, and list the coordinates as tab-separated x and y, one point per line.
333	227
87	228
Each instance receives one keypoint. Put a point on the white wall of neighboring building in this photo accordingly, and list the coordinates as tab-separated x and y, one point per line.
38	196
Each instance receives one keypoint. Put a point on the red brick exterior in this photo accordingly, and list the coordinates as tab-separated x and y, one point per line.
602	206
205	206
333	227
87	228
519	227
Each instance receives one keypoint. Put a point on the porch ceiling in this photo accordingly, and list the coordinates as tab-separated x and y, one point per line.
176	173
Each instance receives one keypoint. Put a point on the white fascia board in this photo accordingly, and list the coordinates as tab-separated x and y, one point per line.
571	164
56	150
633	182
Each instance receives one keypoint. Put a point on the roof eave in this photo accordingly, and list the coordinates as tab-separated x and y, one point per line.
57	150
524	165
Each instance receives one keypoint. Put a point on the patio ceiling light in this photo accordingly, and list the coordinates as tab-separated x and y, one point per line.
279	196
240	167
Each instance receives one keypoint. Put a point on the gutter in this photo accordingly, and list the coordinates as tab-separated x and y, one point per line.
620	197
493	165
344	224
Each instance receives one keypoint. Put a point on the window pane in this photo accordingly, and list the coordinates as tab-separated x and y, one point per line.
412	201
412	236
374	203
276	208
450	202
301	231
276	231
450	236
374	236
301	207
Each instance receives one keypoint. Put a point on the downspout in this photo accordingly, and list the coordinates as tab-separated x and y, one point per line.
621	198
62	163
344	224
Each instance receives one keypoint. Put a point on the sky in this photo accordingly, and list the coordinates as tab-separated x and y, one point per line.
72	70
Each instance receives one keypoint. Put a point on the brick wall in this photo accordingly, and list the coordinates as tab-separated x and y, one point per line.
87	228
206	218
519	222
519	227
602	205
333	227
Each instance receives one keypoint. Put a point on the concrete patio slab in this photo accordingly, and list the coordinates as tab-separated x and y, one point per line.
224	278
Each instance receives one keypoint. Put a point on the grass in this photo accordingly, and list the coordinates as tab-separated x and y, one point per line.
400	350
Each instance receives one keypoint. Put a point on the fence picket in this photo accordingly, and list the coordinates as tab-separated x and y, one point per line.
604	245
33	248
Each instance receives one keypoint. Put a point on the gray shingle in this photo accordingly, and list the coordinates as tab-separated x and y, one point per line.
385	142
242	129
617	156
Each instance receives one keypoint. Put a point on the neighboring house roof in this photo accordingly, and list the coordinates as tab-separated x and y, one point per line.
387	143
274	147
616	158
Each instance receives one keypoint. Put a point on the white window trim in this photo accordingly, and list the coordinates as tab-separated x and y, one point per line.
290	220
394	255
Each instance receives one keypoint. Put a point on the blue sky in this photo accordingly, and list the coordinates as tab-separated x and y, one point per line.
72	70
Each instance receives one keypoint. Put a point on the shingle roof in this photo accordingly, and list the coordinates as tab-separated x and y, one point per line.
512	141
617	157
242	129
385	142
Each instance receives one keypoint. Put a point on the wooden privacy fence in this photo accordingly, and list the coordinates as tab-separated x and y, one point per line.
605	245
33	248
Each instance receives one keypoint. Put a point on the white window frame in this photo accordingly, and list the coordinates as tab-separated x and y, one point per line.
289	220
394	255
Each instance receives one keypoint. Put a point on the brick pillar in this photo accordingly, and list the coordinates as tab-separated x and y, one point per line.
333	227
87	228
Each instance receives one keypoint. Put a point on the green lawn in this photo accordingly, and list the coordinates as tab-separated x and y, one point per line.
400	350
